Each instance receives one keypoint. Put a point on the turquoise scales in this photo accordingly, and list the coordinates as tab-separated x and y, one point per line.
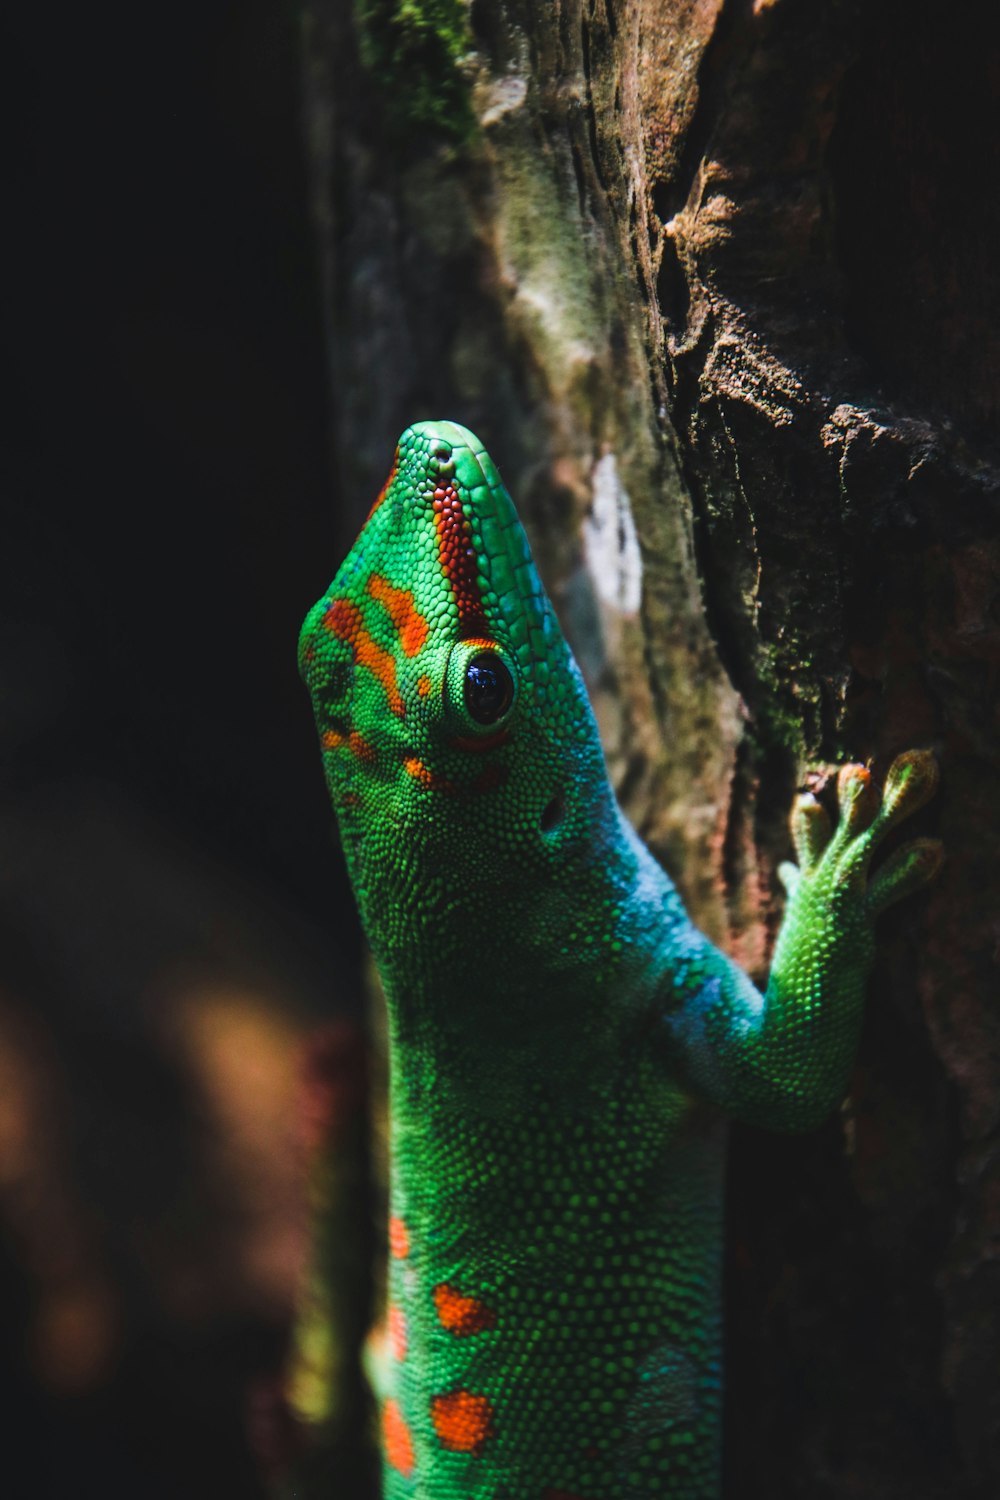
564	1044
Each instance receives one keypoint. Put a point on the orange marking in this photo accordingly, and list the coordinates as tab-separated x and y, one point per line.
487	781
424	686
360	747
458	560
356	743
425	776
398	603
462	1421
396	1440
397	1333
399	1239
460	1314
381	664
345	621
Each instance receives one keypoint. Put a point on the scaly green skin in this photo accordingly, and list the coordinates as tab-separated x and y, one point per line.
564	1044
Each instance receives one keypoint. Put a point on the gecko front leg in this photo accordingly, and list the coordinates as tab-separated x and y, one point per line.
781	1059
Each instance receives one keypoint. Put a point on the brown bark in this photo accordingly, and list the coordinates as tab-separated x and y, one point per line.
716	284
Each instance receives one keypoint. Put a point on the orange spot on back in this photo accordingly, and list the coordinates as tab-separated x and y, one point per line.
402	611
399	1239
397	1333
332	739
396	1439
345	621
462	1420
424	686
460	1314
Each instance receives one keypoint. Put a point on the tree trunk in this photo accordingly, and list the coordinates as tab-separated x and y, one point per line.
715	283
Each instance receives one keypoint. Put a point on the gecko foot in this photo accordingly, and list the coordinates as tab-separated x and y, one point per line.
839	859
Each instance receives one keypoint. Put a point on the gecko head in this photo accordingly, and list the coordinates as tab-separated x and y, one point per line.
460	748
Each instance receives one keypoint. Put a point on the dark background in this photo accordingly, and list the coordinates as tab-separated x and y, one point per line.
174	917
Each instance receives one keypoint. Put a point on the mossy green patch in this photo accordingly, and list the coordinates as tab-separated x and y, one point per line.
789	709
413	49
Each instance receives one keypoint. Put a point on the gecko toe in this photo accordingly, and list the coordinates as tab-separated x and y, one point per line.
906	870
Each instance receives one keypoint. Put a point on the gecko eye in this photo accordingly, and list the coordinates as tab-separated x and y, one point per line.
480	693
489	688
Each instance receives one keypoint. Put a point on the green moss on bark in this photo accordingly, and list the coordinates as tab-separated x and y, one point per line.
414	49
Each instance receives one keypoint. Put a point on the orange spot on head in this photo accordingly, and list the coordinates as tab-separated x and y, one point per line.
381	664
360	747
462	1420
399	1239
426	777
457	558
424	686
396	1440
344	620
397	1333
356	743
402	611
460	1314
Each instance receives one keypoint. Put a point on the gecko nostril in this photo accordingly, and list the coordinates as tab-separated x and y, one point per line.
552	814
443	460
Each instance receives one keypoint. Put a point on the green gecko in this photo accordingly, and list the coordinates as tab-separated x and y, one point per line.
564	1044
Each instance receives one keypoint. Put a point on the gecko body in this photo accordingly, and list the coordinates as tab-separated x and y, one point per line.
564	1044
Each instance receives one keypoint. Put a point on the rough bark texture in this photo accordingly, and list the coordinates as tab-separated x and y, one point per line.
716	284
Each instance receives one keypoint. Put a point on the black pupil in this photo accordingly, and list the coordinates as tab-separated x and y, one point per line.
488	688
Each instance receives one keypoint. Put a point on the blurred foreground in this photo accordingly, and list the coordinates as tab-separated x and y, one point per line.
173	919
